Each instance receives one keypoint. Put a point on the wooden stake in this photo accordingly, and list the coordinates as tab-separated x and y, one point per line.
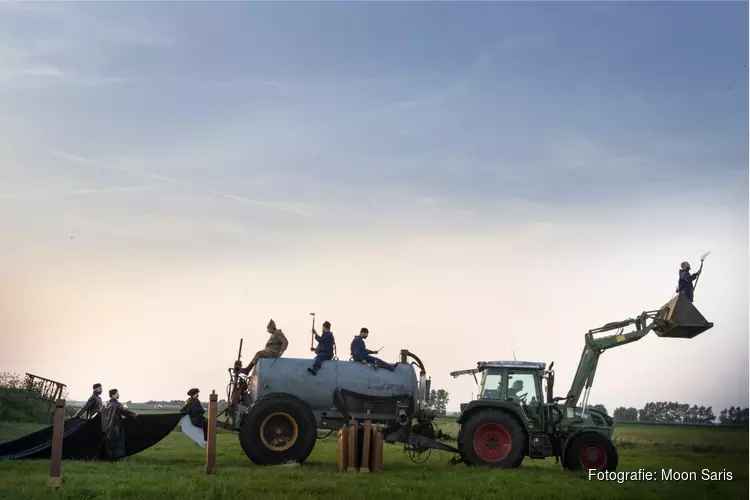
377	450
211	435
352	465
343	449
55	467
365	465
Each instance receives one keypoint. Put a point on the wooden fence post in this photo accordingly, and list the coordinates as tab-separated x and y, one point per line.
58	423
211	435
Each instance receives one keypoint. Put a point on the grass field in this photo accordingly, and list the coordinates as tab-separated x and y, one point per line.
174	469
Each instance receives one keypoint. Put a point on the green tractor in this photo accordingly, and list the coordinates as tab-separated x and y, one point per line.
511	419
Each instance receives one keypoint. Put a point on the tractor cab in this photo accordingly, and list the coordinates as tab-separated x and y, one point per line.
510	382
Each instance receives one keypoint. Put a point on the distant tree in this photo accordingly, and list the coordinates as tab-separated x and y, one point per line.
672	412
600	408
438	401
623	414
734	415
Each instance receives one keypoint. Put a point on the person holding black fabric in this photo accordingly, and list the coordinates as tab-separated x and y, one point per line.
112	415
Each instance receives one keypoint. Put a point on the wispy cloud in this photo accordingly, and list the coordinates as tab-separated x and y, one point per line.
80	192
179	182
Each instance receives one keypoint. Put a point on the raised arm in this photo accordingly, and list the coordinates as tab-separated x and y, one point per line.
85	407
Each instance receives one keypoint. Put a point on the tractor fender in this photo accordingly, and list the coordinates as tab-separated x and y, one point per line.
484	404
275	395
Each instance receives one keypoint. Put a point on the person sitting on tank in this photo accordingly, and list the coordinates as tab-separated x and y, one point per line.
194	409
324	350
275	347
685	282
361	354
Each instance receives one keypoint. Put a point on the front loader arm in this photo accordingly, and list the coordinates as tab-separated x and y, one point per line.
594	347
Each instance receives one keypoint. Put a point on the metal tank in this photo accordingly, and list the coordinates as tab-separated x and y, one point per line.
340	390
280	408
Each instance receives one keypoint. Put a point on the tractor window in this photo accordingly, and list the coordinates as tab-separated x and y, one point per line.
491	385
522	387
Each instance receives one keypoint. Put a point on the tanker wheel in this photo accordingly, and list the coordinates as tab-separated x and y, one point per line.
493	438
591	451
277	430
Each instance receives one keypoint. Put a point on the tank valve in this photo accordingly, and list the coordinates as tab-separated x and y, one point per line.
403	418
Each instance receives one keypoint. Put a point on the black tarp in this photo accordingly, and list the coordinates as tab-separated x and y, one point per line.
84	439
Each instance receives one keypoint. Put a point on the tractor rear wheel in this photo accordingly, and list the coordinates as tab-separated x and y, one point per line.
493	438
278	429
591	451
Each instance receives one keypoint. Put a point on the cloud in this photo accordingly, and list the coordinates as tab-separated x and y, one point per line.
80	192
179	182
54	44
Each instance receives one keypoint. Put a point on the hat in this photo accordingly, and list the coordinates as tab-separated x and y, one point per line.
193	392
364	330
271	325
97	386
327	324
112	392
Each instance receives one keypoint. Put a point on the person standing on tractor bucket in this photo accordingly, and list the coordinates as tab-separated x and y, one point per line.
685	283
324	351
275	347
361	354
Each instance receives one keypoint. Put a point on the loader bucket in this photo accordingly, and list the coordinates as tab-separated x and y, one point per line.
683	320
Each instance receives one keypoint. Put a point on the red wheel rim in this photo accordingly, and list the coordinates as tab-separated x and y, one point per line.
593	456
492	442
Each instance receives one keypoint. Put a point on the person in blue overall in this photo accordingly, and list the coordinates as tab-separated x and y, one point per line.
326	346
361	354
685	283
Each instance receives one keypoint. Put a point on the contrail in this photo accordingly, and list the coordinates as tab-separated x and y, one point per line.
179	182
80	192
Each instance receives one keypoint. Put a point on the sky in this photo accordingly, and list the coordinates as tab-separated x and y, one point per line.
470	181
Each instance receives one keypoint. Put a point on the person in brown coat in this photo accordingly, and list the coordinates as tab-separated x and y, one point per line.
275	346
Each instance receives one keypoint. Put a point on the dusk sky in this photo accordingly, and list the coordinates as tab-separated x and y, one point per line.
467	180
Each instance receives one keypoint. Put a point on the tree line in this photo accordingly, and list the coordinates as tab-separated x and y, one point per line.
672	412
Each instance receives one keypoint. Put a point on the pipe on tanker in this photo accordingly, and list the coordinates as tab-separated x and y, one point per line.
422	391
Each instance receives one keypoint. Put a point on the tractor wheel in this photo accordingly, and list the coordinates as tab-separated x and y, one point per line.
591	451
277	430
493	438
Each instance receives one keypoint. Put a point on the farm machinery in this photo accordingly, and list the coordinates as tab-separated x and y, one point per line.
279	408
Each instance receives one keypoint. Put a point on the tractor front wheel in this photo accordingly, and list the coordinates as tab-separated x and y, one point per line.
493	438
591	451
277	430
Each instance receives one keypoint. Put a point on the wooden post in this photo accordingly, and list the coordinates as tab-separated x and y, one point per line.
365	451
343	449
376	460
55	467
211	435
353	431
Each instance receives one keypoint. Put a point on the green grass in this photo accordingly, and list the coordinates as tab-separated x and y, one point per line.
174	469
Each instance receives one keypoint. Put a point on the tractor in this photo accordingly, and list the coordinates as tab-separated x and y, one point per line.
511	420
279	409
